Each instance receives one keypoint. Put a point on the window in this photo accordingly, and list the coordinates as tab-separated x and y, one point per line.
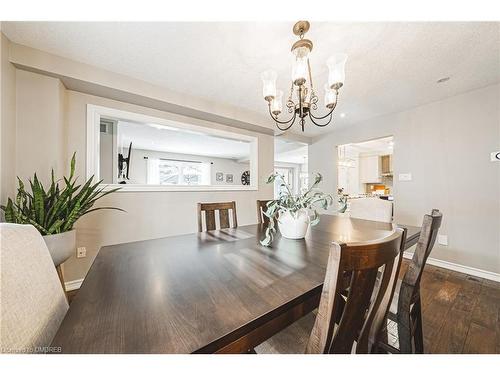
177	172
288	177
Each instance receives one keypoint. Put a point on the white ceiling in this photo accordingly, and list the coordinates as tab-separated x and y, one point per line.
286	151
380	146
391	66
170	139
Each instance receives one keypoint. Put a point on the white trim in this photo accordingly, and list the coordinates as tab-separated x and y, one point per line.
94	113
460	268
140	187
93	140
73	285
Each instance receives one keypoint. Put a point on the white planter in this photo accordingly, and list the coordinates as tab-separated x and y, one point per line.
294	227
61	246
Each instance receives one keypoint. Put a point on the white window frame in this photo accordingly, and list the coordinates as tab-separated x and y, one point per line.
94	114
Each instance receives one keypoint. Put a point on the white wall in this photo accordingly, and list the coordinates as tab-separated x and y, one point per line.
446	146
41	133
42	103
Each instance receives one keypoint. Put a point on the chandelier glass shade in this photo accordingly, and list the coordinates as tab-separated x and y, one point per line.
302	100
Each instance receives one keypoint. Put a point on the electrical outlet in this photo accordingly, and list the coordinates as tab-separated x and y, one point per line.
443	239
81	252
495	156
405	177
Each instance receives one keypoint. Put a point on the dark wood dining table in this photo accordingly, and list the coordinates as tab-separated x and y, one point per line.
211	292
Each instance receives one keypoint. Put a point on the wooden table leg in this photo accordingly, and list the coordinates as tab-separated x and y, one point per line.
61	279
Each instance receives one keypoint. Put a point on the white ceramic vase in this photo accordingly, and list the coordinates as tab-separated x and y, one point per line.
294	226
61	246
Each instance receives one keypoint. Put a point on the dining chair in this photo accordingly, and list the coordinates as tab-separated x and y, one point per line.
347	322
405	309
33	302
374	209
261	208
209	210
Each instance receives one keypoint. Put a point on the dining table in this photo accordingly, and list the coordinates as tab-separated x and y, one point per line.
218	291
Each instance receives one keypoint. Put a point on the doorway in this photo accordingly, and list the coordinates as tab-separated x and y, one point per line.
290	161
366	168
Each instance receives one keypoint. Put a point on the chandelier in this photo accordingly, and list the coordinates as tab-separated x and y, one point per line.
302	100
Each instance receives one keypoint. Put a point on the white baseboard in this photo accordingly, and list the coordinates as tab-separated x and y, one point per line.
460	268
73	284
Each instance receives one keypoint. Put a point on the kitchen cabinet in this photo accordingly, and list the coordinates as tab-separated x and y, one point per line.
386	165
369	169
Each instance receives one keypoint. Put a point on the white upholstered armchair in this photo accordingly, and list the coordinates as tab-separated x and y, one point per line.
371	209
32	301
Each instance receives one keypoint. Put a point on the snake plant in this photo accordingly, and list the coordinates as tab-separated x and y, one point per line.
293	203
57	209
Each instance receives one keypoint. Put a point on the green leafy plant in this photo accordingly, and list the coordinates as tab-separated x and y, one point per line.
342	200
287	201
57	209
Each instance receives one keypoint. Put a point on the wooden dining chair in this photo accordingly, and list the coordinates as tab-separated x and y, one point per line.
405	309
209	210
348	322
261	208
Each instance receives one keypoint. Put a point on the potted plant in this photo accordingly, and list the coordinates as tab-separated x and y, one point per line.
54	211
342	200
294	213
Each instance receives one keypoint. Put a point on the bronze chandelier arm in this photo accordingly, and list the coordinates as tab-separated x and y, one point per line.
319	118
288	127
328	114
282	122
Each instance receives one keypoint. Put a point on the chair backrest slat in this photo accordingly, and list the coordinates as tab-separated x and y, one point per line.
411	280
223	209
261	208
210	219
350	317
224	218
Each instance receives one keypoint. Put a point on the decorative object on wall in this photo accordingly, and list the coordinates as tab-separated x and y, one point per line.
302	87
124	165
53	212
293	211
245	178
219	176
229	178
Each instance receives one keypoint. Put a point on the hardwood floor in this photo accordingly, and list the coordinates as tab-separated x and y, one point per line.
461	313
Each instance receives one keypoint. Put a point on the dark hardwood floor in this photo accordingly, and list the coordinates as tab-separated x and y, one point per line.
461	313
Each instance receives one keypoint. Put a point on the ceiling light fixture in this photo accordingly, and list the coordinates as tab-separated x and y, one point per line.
444	79
302	100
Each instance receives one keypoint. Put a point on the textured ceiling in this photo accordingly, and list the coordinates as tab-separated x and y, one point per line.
286	151
380	146
171	139
391	66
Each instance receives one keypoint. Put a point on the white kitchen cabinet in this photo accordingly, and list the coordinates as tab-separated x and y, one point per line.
369	169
